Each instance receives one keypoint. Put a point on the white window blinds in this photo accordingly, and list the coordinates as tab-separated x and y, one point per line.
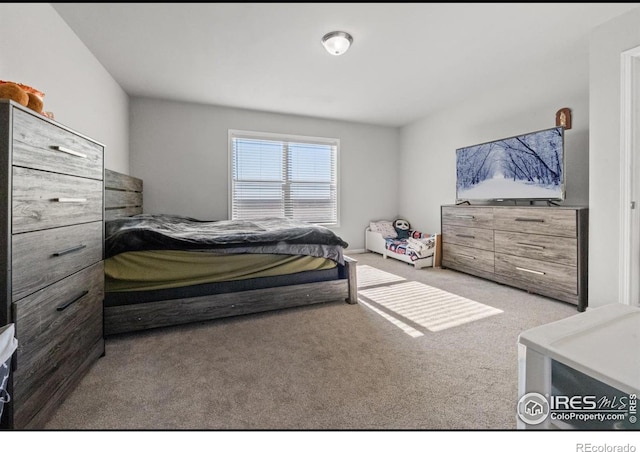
284	176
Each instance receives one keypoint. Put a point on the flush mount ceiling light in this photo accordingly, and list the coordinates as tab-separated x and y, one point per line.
337	42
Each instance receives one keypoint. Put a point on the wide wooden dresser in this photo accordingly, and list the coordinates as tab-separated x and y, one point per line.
51	259
537	248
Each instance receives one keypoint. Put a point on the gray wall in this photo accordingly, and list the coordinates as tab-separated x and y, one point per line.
180	150
37	48
607	44
591	88
530	103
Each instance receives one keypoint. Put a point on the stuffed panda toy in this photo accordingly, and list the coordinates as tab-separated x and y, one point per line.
402	228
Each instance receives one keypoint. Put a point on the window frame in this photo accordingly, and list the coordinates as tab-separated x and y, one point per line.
237	133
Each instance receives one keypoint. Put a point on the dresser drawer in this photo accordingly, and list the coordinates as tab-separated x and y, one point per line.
472	237
478	217
463	256
548	221
559	250
55	328
538	273
41	145
43	257
43	200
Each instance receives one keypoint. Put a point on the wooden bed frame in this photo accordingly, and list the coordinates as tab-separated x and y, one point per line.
123	197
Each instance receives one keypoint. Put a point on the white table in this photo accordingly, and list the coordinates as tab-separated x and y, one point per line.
602	343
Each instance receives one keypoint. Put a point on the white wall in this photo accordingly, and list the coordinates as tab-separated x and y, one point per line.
180	150
530	103
37	48
607	44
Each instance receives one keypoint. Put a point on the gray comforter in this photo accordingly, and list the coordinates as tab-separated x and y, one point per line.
267	235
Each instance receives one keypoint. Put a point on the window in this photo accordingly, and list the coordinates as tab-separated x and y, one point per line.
283	176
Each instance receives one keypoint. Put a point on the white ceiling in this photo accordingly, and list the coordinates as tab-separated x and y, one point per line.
407	59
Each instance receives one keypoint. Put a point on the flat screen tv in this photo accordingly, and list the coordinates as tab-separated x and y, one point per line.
524	167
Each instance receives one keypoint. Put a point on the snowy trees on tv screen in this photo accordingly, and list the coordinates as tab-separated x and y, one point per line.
528	166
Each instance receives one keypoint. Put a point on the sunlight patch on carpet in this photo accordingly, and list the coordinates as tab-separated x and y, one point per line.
429	307
371	276
400	324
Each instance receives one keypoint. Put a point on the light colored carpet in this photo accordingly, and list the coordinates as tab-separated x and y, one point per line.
324	367
371	276
417	303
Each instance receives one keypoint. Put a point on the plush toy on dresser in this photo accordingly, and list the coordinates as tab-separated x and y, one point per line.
24	95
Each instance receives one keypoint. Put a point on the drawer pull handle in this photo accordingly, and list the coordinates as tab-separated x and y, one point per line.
531	220
530	271
466	236
70	151
70	250
528	245
69	303
470	217
467	256
70	199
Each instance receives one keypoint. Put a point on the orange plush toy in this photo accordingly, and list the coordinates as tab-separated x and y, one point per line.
22	94
14	92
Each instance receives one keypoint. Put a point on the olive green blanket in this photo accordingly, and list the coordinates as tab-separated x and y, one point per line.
151	270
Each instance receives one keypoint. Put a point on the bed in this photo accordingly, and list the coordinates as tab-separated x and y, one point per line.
163	270
418	249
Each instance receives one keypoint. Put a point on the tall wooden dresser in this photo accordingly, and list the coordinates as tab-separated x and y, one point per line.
51	259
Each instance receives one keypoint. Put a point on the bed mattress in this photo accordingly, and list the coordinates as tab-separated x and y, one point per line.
167	269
